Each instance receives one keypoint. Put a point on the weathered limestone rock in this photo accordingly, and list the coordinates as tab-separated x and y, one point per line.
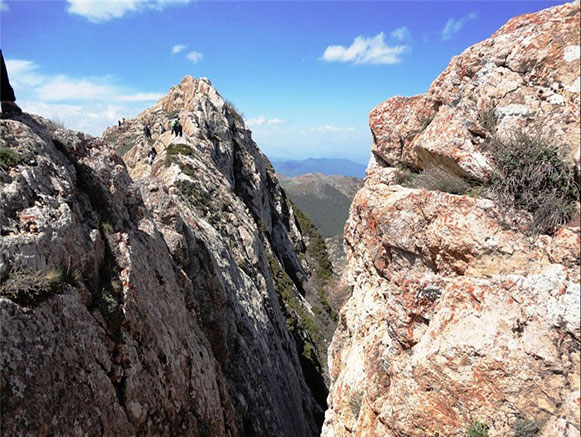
527	73
456	314
116	350
169	305
215	198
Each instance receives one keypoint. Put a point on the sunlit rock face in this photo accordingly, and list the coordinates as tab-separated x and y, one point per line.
457	315
111	346
153	300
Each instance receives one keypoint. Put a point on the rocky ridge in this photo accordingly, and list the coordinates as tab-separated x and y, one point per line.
459	318
166	300
212	191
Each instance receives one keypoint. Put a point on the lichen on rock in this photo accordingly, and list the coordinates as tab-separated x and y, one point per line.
459	315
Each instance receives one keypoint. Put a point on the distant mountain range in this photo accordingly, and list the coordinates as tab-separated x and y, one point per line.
326	166
325	199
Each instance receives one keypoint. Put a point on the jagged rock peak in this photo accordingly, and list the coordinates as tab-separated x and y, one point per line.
228	224
100	334
461	321
164	299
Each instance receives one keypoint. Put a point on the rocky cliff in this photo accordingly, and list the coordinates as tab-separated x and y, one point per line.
163	300
464	316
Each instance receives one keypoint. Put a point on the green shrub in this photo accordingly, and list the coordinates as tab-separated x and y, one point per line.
171	157
8	158
439	178
107	227
26	287
64	273
533	175
295	313
487	118
179	149
123	149
316	249
478	429
525	428
57	123
405	175
110	309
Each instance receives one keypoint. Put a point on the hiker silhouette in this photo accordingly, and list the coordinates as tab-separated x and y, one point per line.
7	97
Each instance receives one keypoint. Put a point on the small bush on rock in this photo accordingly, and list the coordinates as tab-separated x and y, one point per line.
232	109
525	428
405	175
179	149
487	118
438	178
532	174
478	429
8	158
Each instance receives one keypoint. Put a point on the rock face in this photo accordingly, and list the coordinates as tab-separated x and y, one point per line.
108	346
163	300
457	316
527	74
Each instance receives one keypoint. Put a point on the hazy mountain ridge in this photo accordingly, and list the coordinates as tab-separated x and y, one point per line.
326	166
326	199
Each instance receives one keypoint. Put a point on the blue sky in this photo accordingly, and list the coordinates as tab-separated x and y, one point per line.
305	74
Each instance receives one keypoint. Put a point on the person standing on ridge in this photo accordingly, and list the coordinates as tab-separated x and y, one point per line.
178	128
151	155
147	131
8	100
173	125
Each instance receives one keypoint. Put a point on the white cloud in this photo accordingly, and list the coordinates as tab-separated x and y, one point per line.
453	26
401	33
4	6
257	121
177	48
366	51
62	88
90	118
89	104
104	10
330	128
263	121
195	57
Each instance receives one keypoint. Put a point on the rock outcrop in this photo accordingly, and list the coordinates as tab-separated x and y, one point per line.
459	318
98	337
160	300
228	225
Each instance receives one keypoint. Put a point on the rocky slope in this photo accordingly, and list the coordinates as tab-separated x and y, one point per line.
326	200
163	300
229	226
460	319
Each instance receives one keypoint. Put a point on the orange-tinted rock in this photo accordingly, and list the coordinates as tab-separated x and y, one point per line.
456	314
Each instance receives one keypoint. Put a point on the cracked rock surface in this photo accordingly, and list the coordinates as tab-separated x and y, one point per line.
456	314
148	300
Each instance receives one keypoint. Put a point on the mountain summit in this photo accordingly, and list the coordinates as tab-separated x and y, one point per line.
163	299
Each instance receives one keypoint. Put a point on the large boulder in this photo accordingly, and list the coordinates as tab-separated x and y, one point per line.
459	317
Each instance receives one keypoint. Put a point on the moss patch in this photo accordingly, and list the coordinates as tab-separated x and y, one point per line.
9	158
